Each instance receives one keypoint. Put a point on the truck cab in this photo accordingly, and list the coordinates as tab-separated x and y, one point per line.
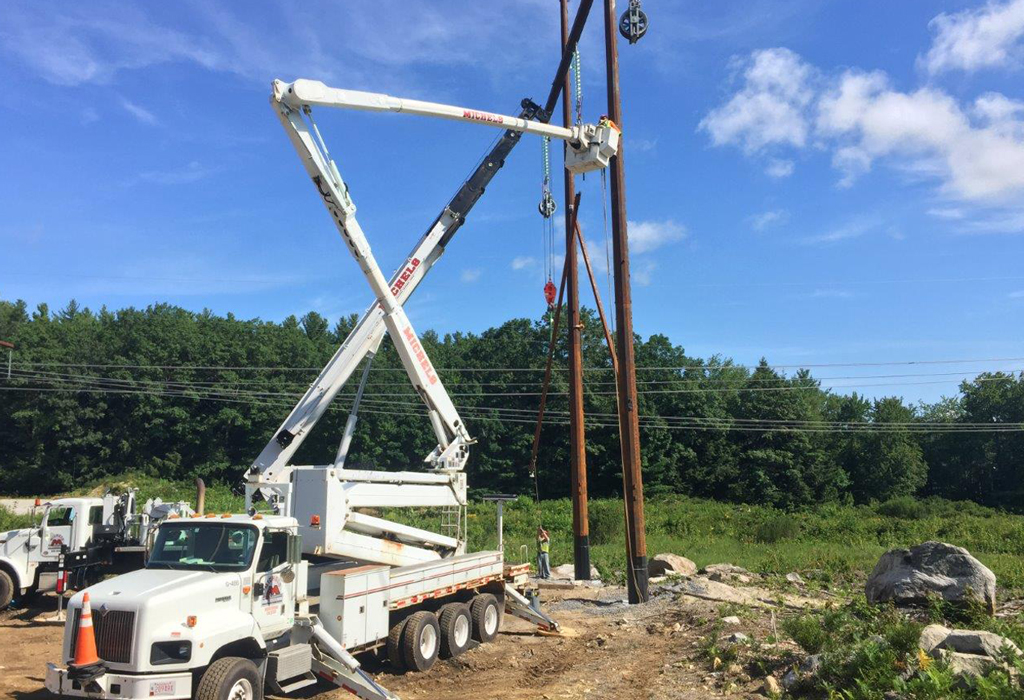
214	587
94	535
29	556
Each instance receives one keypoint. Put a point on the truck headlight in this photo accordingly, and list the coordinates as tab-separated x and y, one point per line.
174	652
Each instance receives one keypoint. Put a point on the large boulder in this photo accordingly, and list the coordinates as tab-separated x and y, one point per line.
978	642
910	576
567	572
671	565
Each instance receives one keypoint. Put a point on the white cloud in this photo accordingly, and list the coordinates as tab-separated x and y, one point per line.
641	145
93	44
140	113
853	229
1019	294
779	168
984	37
949	213
89	116
767	219
770	108
974	151
470	275
645	236
641	272
523	262
925	131
193	172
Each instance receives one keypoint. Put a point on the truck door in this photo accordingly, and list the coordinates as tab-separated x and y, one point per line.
58	526
273	593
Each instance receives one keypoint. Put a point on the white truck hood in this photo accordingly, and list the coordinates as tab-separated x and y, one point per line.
170	604
13	542
158	587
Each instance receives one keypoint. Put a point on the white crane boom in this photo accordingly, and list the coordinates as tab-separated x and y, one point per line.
291	100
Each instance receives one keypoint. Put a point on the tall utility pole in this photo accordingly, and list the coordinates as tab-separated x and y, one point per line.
629	423
577	434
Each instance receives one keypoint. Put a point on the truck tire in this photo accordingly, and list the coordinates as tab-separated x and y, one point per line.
6	589
486	617
456	629
395	654
230	678
421	641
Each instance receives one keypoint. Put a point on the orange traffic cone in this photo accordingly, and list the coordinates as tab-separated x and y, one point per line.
85	643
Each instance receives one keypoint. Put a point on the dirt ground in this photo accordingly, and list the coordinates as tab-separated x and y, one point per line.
609	650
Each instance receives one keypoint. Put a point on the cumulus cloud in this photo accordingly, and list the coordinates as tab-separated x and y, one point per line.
927	131
770	107
645	236
974	151
985	37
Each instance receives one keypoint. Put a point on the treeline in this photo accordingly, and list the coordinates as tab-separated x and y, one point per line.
174	393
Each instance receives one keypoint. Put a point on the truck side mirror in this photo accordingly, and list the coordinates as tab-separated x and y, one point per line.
294	549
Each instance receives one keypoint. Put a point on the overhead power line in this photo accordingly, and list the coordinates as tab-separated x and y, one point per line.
596	421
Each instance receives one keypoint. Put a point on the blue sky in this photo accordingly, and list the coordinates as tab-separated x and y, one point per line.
815	182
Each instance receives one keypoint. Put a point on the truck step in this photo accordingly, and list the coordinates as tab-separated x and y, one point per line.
301	682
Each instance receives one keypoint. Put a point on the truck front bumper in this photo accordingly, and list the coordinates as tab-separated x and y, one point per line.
117	686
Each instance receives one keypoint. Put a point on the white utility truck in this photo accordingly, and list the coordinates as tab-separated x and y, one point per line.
78	540
230	605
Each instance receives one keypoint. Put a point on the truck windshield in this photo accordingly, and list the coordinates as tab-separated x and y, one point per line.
203	547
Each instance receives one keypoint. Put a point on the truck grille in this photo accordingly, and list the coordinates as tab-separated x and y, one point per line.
114	631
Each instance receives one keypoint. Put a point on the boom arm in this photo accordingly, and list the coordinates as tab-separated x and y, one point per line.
590	148
369	331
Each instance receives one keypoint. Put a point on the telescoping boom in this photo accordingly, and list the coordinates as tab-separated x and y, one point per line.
590	148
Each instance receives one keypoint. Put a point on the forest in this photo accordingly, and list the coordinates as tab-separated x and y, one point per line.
168	392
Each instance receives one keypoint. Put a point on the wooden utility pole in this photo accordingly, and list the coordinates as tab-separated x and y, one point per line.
629	422
577	432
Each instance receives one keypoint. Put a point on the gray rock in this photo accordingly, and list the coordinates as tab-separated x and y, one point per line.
713	590
967	664
568	572
909	576
724	569
737	638
977	642
671	564
931	637
807	667
731	620
795	578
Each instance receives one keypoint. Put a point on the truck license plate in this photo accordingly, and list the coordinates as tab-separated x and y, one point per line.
158	688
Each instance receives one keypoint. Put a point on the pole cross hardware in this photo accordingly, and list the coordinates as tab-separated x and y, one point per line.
633	22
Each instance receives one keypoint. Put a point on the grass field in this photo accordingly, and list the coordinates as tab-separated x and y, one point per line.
833	544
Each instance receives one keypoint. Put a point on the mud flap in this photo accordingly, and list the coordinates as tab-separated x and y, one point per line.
519	605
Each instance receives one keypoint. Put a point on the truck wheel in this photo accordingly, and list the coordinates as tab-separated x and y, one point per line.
6	589
421	641
395	645
230	678
456	629
486	617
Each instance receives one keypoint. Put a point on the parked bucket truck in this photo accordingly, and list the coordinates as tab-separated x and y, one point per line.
229	606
